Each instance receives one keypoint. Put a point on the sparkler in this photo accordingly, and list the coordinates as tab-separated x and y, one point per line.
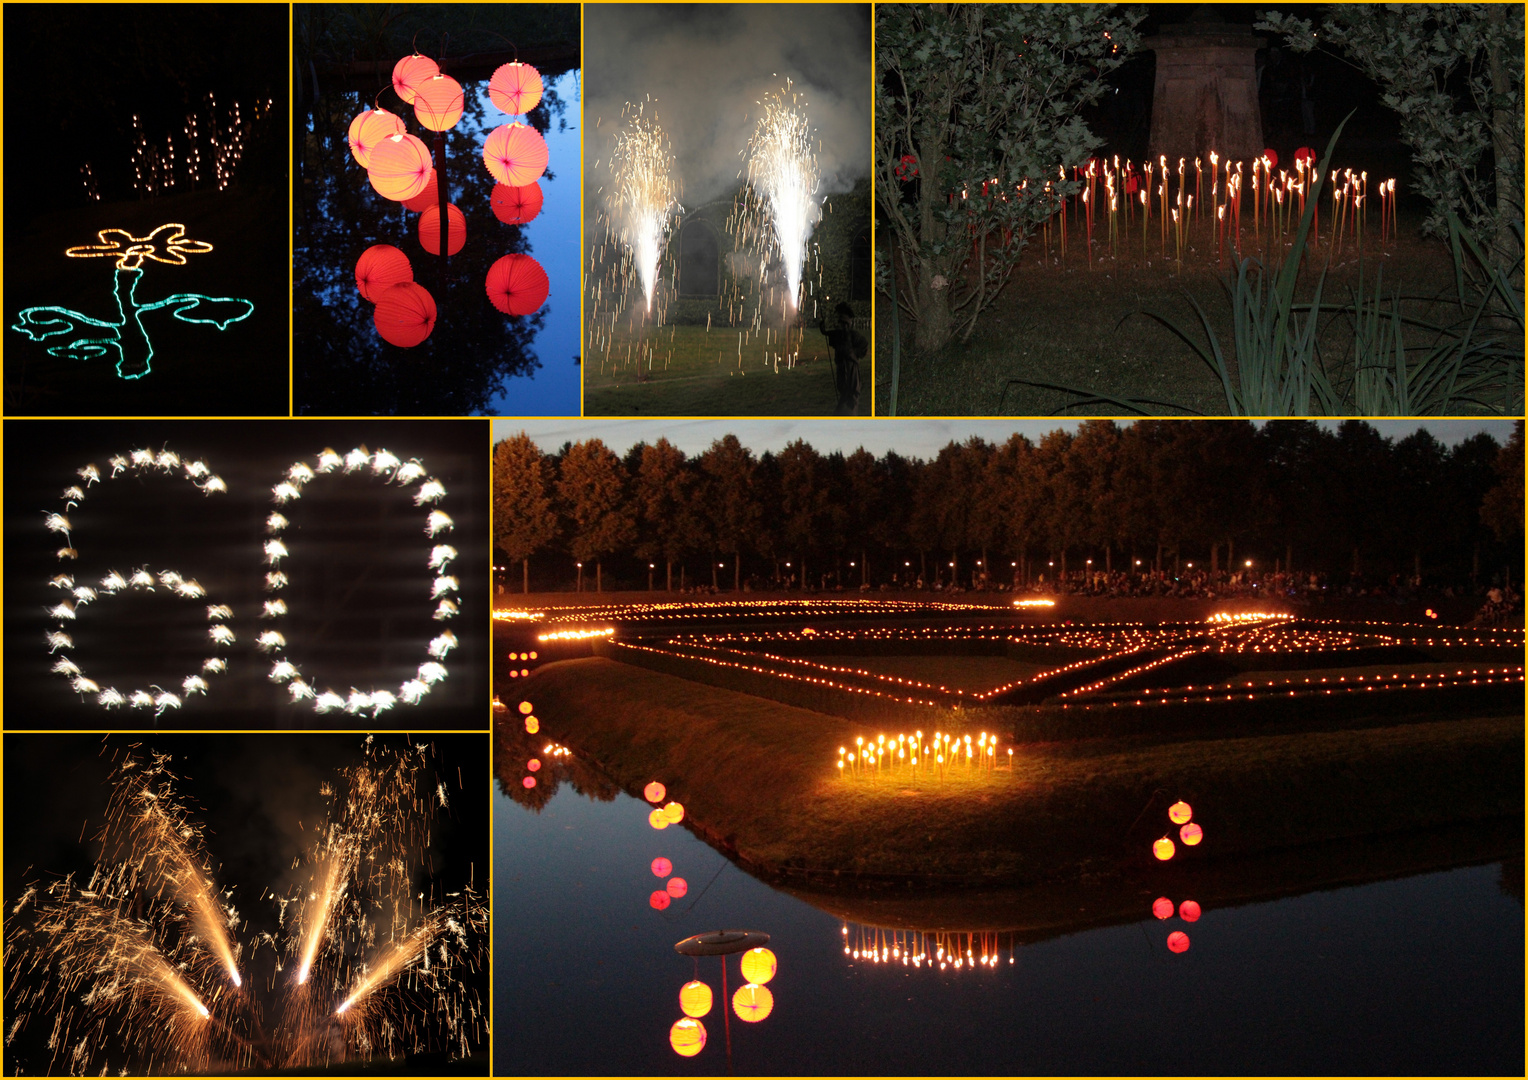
137	968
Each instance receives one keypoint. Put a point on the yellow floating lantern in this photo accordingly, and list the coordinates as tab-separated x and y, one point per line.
759	966
1179	812
687	1037
532	725
674	812
525	708
658	821
1191	834
695	999
653	792
753	1003
1163	849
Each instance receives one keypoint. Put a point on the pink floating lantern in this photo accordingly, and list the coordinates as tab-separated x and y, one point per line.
405	316
659	899
515	154
515	88
370	128
438	102
400	167
662	867
1177	941
1189	911
516	205
409	72
1162	907
427	198
517	285
381	266
429	229
534	764
529	782
677	887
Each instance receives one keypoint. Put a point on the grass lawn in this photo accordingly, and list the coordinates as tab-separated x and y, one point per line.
970	673
697	372
760	778
1070	325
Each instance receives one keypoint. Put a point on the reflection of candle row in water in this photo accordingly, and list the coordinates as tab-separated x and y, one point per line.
940	949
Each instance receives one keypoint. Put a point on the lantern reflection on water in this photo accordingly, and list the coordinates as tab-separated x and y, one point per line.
941	949
1177	941
662	867
1163	849
677	887
695	998
753	1003
674	812
659	899
1162	907
657	820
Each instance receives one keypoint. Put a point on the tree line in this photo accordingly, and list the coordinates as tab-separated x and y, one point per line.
1147	497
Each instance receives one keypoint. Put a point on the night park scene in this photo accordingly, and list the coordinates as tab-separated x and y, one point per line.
727	255
1199	209
999	748
145	211
435	209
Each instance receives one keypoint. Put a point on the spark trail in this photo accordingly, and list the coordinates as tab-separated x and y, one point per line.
783	171
644	200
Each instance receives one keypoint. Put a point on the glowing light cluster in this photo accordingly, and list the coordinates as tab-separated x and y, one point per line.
908	754
783	170
576	635
518	616
936	950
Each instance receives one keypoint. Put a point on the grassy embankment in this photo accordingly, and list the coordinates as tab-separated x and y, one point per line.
759	780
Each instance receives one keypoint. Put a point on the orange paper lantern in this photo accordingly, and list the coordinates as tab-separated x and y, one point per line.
752	1003
532	725
1191	834
429	229
381	266
657	820
429	197
1177	941
687	1037
1179	812
534	764
525	708
695	998
370	128
1189	911
659	899
516	205
1163	849
759	965
662	867
405	314
517	285
515	154
653	792
409	72
515	88
438	102
529	781
677	887
400	167
1162	907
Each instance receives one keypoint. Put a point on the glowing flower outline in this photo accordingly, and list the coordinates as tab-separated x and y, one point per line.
138	248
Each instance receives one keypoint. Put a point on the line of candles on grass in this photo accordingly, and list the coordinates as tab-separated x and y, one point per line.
909	756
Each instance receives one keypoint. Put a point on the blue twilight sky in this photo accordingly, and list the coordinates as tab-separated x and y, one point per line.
554	389
909	437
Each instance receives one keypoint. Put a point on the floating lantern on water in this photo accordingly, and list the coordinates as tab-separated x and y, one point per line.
1179	812
429	229
405	314
532	725
438	102
534	764
516	205
399	167
515	154
659	899
662	867
515	88
758	965
695	998
752	1003
1188	911
687	1037
529	782
653	792
409	72
1177	941
1162	907
1163	849
380	267
677	887
657	820
517	285
525	708
1191	834
674	812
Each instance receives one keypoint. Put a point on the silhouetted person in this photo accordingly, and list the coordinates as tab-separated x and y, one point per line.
848	346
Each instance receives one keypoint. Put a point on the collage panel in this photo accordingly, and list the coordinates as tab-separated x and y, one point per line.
252	574
435	209
997	747
207	904
146	248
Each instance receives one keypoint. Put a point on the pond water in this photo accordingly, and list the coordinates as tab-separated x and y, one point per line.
1417	975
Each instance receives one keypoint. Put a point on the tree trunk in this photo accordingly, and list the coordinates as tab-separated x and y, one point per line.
864	568
737	571
525	565
936	324
668	575
1509	188
598	580
714	586
1108	559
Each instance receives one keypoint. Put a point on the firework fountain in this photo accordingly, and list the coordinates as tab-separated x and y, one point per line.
139	968
783	172
643	196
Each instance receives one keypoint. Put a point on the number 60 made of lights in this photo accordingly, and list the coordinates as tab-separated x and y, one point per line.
380	467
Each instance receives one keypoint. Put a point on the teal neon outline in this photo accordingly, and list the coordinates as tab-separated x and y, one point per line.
136	348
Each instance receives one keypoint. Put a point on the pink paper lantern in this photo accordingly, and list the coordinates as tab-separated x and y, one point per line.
517	285
515	88
515	154
409	72
405	316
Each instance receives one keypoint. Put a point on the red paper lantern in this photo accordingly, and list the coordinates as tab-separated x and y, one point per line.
1162	907
515	154
1179	812
409	72
518	286
515	88
659	899
662	867
677	887
1163	849
399	167
430	196
1177	941
429	229
1191	834
1305	154
1189	911
654	792
1272	156
516	205
370	128
381	266
438	102
534	764
405	315
529	781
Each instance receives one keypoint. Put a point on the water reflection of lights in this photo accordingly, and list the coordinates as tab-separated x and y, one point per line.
934	949
576	635
518	616
1034	603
